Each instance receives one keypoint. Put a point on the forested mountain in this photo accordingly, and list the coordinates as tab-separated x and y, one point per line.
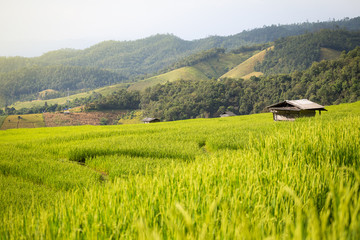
8	64
294	53
112	62
25	83
129	58
299	52
206	65
149	55
274	32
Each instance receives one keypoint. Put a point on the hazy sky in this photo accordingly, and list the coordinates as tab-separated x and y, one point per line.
32	27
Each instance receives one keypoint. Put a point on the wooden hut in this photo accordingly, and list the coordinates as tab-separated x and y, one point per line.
227	114
289	110
150	120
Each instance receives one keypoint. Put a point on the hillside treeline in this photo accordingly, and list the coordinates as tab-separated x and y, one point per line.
274	32
299	52
120	100
25	83
327	82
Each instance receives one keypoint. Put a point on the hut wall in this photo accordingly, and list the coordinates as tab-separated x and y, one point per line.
291	115
307	113
285	116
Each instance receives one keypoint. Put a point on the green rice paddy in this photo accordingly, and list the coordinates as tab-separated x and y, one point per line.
244	177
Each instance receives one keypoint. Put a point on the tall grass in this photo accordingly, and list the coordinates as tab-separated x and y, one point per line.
243	177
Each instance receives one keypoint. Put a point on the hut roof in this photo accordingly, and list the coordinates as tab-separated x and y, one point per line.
227	114
296	105
150	119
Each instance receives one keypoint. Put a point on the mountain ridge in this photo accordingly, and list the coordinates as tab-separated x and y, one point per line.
166	49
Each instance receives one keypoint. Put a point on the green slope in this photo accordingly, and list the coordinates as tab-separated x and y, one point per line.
297	53
217	66
329	54
184	73
204	67
246	68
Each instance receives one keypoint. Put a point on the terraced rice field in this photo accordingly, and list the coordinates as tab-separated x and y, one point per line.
23	121
244	177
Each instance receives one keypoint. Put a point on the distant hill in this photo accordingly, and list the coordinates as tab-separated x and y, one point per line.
294	53
274	32
206	65
217	63
297	53
149	55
